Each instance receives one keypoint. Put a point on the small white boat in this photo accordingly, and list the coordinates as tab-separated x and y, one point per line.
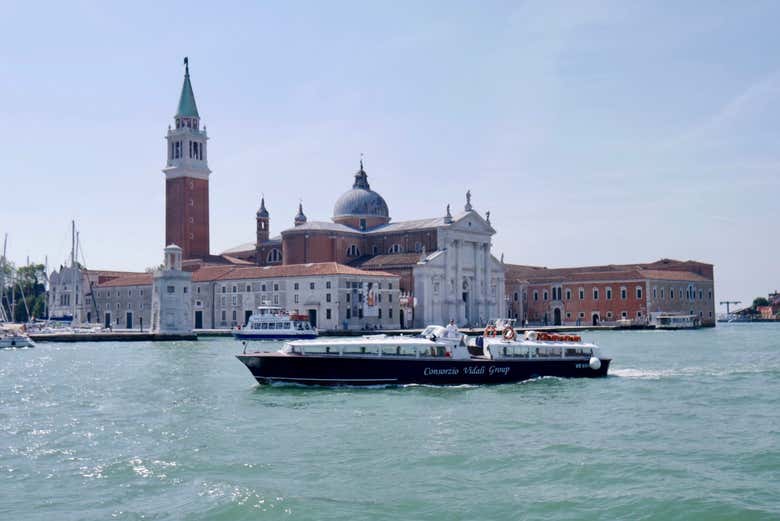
14	337
674	321
274	323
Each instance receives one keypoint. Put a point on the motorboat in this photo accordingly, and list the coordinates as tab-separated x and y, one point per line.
674	321
14	337
274	323
438	356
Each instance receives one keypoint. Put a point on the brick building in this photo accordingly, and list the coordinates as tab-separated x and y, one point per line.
606	294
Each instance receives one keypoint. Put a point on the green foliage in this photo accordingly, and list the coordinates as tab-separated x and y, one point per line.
760	301
29	286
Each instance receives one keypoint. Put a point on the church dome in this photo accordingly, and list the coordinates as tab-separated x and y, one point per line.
361	201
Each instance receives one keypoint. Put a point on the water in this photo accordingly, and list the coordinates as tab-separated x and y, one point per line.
688	427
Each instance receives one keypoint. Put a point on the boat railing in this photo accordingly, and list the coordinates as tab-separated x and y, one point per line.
400	350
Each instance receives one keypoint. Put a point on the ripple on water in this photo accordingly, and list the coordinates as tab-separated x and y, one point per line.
685	428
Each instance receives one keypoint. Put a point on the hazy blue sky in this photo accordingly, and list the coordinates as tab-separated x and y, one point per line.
594	132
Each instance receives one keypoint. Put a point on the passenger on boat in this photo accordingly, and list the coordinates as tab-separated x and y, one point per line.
452	329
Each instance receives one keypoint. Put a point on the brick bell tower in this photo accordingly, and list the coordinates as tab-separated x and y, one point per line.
187	178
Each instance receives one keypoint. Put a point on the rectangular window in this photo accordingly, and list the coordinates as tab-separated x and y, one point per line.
262	287
582	295
544	295
276	287
235	289
171	289
295	298
348	297
295	286
595	293
390	286
623	294
222	300
328	314
609	293
224	315
349	313
390	313
276	300
235	300
184	289
568	294
638	293
311	285
327	297
234	315
379	315
327	285
248	288
390	297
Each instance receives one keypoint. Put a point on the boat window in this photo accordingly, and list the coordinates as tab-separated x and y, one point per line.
520	351
286	325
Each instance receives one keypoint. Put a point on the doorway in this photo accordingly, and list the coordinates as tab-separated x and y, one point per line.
557	317
466	307
595	319
313	317
247	314
129	320
401	317
199	320
107	323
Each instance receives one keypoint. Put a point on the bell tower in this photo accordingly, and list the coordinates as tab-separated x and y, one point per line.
187	178
262	223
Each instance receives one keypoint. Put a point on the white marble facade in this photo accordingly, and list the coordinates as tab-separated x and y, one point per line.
461	280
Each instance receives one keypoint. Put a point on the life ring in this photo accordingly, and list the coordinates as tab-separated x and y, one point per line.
490	330
509	333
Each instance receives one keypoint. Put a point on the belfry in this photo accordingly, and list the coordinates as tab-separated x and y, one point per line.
187	178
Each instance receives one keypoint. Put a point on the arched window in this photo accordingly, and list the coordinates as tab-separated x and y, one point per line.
395	248
353	251
274	255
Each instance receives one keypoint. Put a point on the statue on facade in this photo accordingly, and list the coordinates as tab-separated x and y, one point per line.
468	200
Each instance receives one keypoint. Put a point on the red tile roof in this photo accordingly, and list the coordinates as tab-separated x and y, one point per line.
296	270
673	275
228	272
135	279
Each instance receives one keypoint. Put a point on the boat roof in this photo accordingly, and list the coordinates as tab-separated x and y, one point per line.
364	340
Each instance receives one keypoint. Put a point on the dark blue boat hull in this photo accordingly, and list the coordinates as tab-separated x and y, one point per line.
342	370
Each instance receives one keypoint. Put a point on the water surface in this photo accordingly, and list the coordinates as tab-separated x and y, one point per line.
687	427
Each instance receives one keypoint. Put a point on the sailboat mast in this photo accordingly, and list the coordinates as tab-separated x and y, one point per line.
2	281
76	273
46	287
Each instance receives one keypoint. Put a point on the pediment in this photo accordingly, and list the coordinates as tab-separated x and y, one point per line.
472	222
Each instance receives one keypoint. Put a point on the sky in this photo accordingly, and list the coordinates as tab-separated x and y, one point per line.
594	132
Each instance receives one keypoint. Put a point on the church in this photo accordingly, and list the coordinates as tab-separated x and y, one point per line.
444	263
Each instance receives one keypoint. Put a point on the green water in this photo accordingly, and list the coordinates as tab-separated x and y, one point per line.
687	427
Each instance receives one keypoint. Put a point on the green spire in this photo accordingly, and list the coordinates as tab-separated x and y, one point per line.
187	106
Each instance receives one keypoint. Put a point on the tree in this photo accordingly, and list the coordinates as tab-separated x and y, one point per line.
760	301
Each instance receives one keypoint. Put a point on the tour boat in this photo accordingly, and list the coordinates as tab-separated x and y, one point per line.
439	356
12	337
274	323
